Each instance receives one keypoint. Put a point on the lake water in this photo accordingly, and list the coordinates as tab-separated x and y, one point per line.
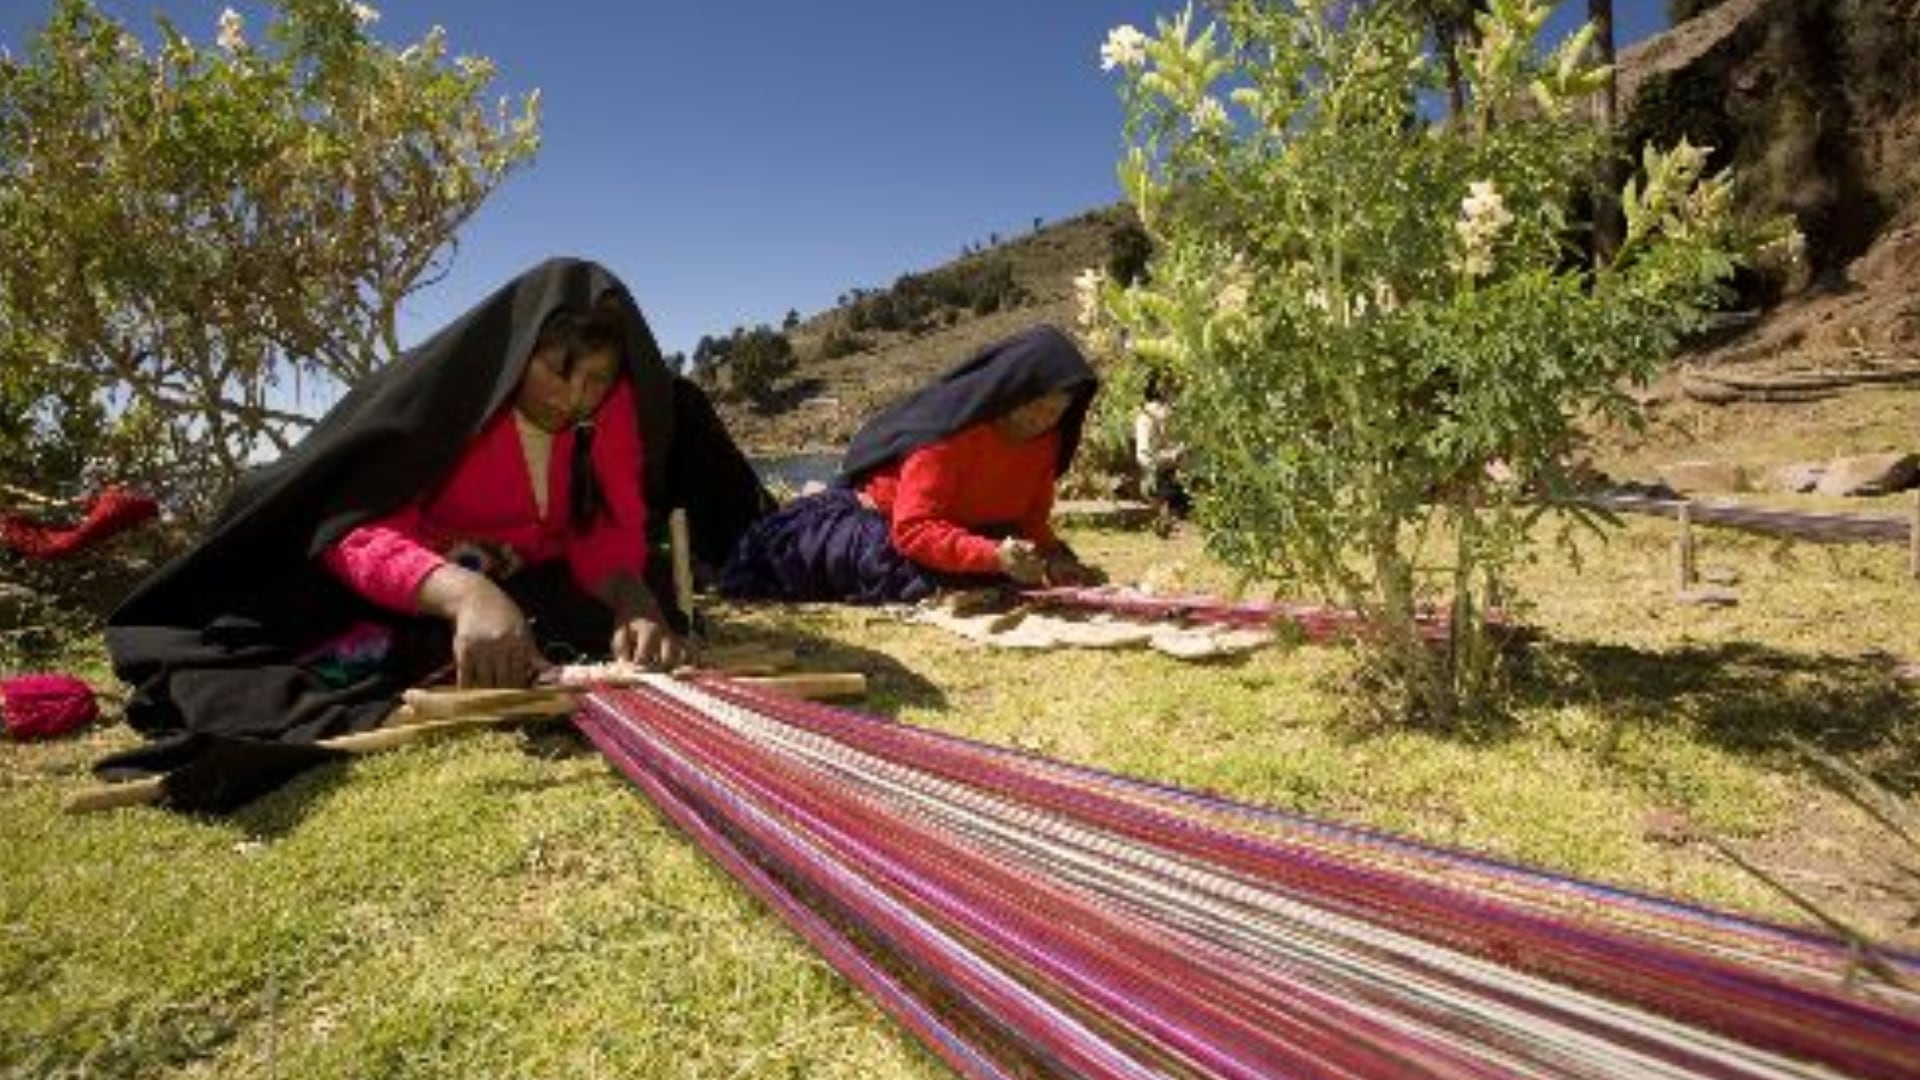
797	470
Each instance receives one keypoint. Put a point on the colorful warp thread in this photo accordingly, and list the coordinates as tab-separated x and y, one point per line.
1029	918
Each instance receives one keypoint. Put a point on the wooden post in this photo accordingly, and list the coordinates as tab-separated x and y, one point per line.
682	562
1683	548
426	713
1913	537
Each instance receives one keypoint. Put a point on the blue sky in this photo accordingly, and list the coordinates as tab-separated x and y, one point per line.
732	161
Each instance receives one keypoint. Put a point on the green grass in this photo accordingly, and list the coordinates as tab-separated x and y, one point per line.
505	905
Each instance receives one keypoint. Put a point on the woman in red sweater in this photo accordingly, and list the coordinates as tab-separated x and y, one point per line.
553	478
483	503
953	485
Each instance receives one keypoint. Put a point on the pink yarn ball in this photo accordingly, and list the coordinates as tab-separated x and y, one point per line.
45	706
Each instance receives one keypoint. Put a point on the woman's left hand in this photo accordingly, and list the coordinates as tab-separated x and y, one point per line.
1065	570
640	633
648	642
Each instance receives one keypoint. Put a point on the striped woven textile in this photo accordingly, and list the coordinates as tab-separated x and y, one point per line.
1029	918
1318	622
1814	526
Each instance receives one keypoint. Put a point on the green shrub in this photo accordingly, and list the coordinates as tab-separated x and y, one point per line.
841	342
756	361
1364	312
1682	10
185	230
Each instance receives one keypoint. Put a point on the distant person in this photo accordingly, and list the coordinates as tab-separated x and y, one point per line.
1155	452
480	506
951	486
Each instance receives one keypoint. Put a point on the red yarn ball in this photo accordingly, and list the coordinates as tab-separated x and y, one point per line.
45	706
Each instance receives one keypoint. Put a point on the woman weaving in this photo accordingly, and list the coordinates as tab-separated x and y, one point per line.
482	504
951	486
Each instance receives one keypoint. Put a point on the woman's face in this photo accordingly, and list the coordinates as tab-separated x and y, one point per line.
552	398
1036	417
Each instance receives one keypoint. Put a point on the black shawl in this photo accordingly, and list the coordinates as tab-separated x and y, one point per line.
209	642
993	382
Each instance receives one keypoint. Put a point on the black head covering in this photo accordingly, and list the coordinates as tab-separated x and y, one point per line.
198	639
993	382
393	437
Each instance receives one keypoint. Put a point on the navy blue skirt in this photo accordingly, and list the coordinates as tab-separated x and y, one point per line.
825	546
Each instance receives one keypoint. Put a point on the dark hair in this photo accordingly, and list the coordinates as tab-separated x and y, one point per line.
579	333
576	334
1156	387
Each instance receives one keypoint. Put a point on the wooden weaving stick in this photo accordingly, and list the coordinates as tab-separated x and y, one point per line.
426	712
386	737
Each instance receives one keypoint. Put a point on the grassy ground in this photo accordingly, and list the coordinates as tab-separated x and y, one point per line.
504	905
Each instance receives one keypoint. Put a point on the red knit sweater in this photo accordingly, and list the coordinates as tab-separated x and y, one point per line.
489	499
938	495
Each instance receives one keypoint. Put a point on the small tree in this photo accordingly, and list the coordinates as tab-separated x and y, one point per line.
840	342
185	230
1365	310
1129	250
1682	10
756	361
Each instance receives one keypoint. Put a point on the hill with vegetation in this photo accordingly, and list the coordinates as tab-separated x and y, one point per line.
1816	106
879	343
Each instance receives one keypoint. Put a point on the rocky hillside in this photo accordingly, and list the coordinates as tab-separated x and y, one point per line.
1814	103
824	401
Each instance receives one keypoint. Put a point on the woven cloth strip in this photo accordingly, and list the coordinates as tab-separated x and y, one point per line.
1814	526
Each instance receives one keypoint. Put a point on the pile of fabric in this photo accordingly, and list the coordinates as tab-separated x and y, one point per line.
45	706
112	511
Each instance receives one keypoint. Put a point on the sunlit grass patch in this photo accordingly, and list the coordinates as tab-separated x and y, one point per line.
504	904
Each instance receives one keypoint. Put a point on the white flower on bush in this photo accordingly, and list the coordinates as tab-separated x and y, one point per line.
1126	47
1385	300
1236	288
1795	243
1086	290
232	35
1483	214
365	14
1209	115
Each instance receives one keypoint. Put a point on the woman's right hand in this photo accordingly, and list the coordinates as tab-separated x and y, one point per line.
492	644
1021	561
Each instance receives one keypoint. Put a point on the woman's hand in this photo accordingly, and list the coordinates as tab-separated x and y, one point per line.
1065	570
492	644
1021	561
640	634
647	642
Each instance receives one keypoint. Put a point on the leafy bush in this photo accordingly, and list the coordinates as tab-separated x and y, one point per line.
756	360
1380	344
1682	10
1129	251
981	285
190	234
841	342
